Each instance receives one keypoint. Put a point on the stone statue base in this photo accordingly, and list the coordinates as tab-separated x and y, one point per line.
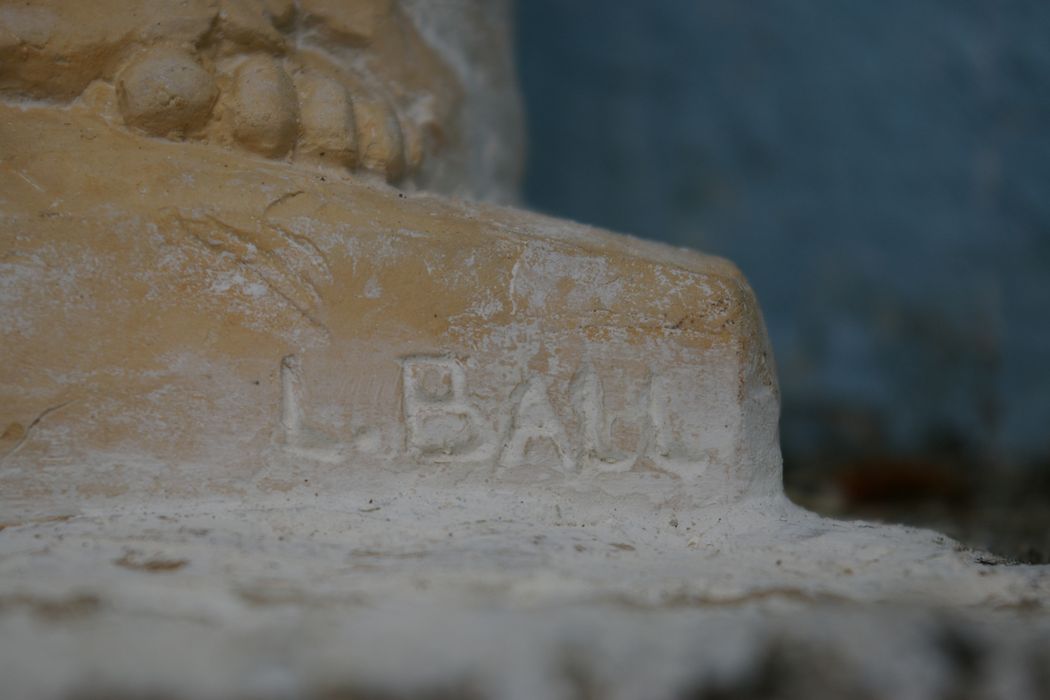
272	432
270	428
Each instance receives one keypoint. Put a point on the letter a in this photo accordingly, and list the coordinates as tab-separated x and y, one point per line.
534	422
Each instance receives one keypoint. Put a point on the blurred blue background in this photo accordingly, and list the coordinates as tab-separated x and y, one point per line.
879	170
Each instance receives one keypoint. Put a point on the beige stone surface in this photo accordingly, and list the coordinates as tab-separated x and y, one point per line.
478	396
199	322
272	427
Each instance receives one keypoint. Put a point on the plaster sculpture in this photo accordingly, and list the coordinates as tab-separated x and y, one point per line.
353	85
244	375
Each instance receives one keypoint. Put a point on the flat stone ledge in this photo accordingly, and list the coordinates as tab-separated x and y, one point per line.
393	595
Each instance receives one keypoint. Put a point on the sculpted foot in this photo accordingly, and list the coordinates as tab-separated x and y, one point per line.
328	127
165	91
351	86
